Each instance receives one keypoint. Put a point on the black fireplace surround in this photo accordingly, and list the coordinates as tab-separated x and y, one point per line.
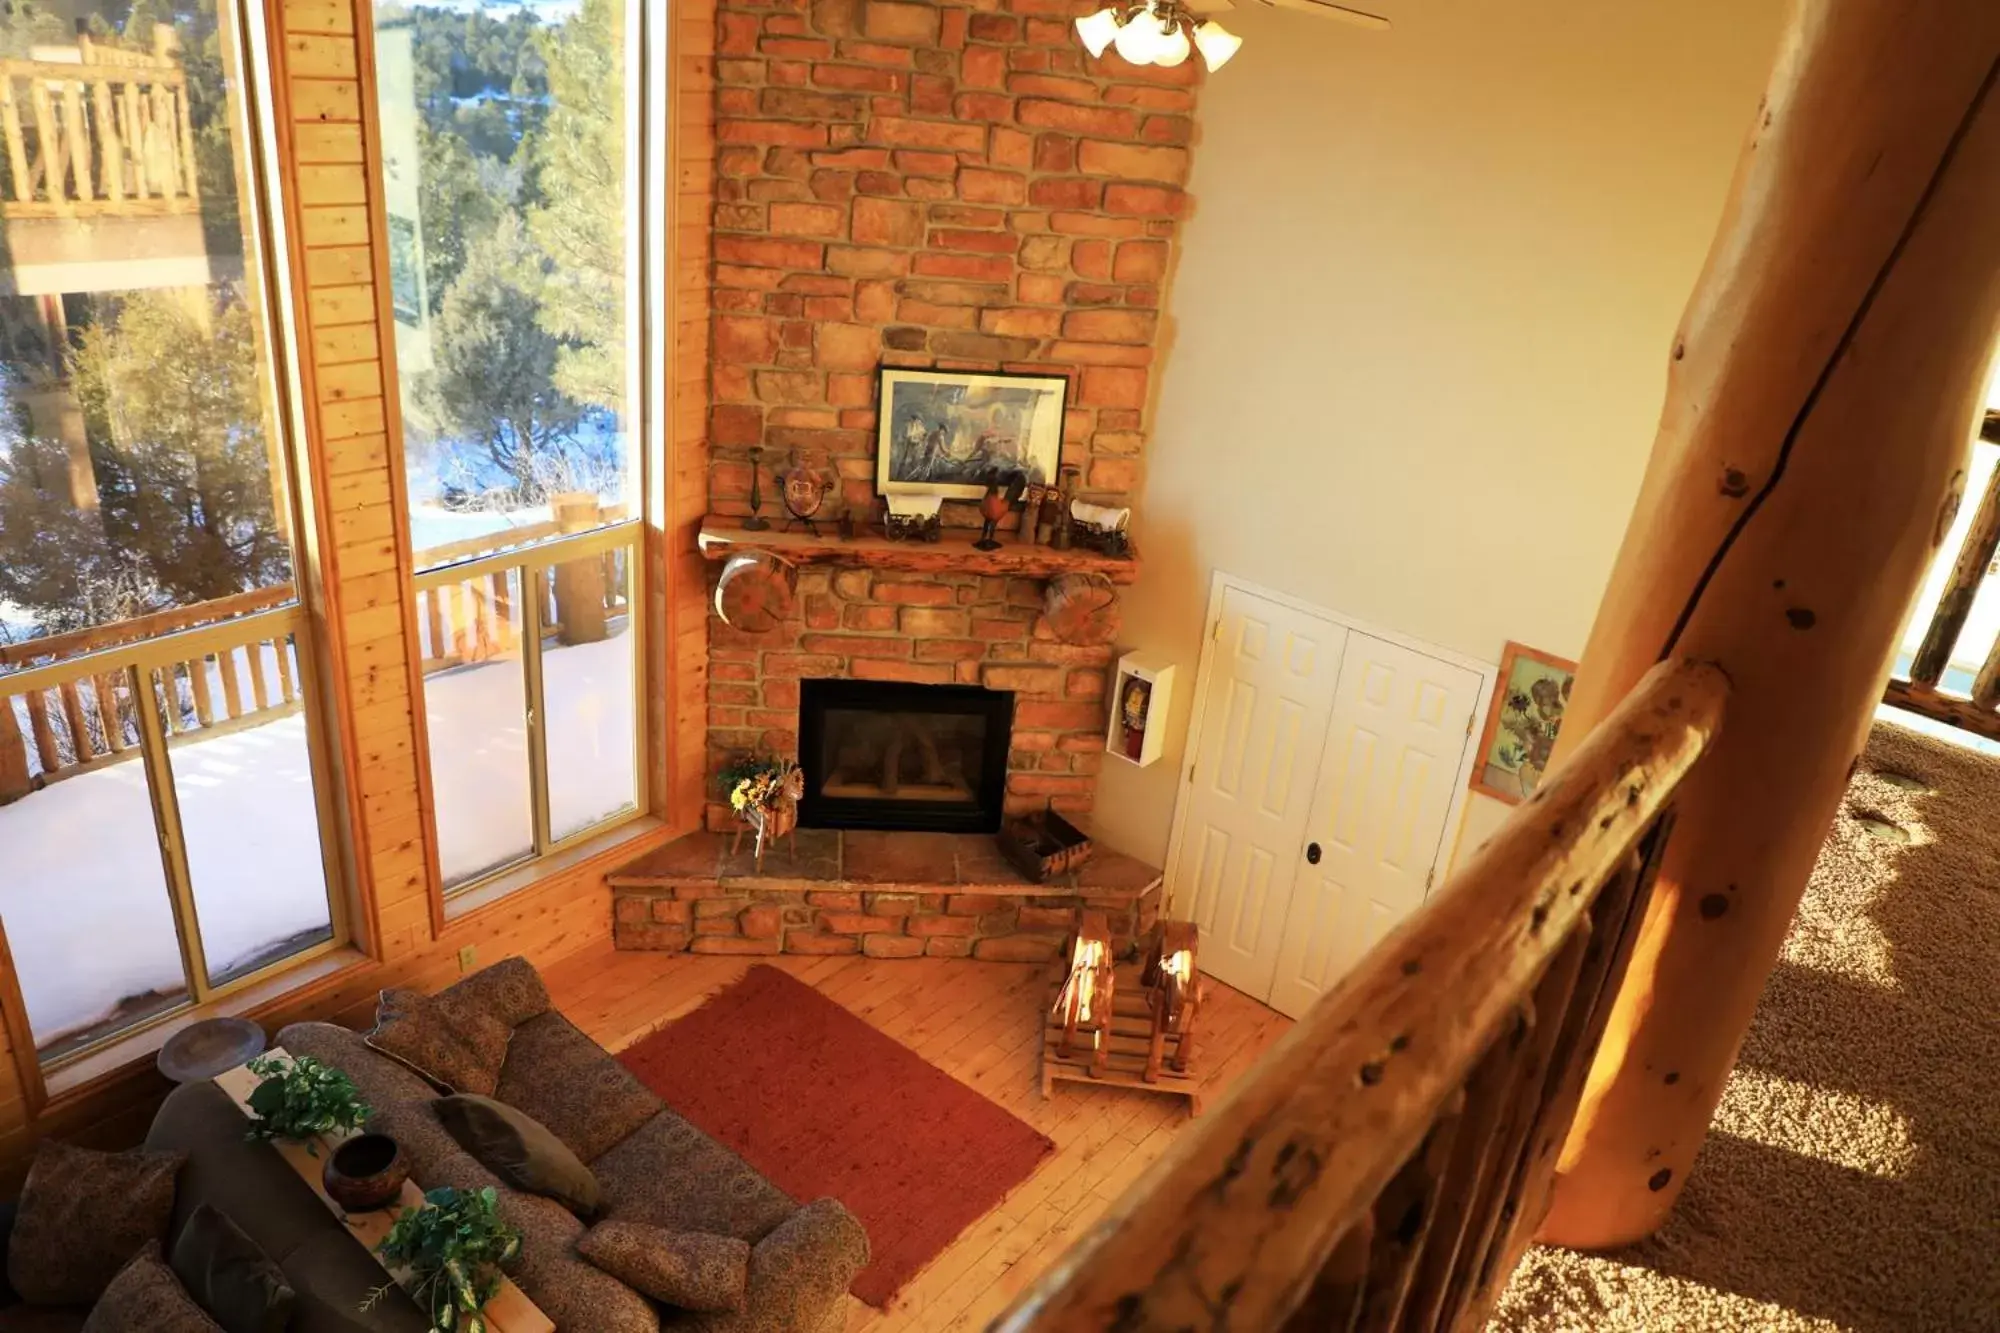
888	755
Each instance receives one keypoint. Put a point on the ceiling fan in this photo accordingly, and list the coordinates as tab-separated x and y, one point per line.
1166	32
1324	8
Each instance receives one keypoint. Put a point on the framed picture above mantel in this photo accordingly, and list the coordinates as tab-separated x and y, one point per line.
1521	724
946	432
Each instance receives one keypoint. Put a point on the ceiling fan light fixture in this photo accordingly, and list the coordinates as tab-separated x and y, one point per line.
1216	44
1174	47
1098	30
1140	40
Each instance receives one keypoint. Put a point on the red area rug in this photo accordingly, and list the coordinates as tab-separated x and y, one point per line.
822	1104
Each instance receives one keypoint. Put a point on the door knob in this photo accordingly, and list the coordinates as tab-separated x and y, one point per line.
1312	853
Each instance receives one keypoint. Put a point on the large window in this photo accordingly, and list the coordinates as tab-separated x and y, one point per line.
509	179
161	799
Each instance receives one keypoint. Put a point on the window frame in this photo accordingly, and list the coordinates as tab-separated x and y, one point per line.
261	174
645	113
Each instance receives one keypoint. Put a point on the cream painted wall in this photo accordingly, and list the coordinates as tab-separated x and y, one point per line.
1418	334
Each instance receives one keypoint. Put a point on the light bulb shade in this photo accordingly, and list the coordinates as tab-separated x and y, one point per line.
1216	43
1098	30
1173	49
1138	40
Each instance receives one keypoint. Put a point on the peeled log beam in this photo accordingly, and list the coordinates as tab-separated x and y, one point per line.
756	591
1810	456
1081	609
1967	573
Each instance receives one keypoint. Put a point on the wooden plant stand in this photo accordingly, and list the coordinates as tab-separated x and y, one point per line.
510	1311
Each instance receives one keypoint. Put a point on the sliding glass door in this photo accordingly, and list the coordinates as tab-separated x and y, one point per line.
509	169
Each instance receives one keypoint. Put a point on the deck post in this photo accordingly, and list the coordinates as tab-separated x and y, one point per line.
13	754
579	583
1822	391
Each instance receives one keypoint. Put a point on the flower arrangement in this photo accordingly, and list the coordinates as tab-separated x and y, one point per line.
765	793
761	785
300	1098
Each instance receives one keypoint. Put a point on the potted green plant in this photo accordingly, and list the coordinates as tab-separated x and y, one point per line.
301	1098
454	1247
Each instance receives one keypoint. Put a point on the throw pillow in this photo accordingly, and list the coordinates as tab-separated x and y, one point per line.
519	1149
230	1276
689	1269
83	1215
146	1294
450	1039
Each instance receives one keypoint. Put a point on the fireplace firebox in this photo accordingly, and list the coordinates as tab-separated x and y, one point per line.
887	755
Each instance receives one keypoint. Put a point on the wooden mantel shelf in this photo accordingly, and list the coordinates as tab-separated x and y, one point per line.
723	537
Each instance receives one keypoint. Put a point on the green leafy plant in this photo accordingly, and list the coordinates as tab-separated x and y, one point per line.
301	1098
453	1246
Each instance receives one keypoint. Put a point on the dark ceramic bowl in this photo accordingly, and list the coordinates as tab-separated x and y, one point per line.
365	1173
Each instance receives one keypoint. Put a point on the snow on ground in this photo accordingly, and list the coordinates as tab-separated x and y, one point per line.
479	751
433	525
84	897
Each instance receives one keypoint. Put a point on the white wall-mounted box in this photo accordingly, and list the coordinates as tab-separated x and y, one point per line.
1141	693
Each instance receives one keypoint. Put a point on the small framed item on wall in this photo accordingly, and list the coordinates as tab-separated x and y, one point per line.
1521	725
1140	697
946	432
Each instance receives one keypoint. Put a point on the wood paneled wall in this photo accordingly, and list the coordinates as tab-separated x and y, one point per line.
691	181
357	567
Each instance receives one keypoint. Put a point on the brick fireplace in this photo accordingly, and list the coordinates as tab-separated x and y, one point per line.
926	185
933	185
867	624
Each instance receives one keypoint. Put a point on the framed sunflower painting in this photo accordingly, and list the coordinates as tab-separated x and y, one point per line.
1522	723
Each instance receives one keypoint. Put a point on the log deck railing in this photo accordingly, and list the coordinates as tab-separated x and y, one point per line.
1385	1165
1923	692
107	133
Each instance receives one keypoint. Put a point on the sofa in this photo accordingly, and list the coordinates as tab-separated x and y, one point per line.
329	1273
651	1165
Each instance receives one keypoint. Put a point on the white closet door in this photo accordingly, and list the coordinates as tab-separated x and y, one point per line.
1400	723
1265	702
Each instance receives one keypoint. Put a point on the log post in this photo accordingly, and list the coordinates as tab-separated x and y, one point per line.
580	582
13	754
1955	605
1810	458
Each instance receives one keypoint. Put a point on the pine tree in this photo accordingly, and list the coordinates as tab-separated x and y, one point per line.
580	222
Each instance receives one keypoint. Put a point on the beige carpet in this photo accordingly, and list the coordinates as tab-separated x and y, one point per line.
1852	1177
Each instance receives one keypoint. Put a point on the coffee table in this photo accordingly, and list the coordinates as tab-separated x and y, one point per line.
510	1311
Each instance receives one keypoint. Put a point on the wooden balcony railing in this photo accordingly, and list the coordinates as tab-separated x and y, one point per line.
76	721
1924	691
1386	1163
107	133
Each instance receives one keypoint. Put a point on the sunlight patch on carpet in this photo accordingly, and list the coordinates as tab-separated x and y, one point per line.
1833	1126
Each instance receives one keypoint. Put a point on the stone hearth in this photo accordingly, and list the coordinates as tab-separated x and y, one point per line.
887	895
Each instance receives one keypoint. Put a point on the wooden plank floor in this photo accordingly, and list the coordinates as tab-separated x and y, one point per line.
980	1023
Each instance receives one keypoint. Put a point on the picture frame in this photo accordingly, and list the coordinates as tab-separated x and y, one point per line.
942	432
1530	697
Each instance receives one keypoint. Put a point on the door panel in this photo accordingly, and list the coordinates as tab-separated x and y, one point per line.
1399	727
1265	705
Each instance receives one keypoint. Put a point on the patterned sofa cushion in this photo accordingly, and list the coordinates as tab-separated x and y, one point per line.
146	1295
83	1215
671	1175
567	1081
569	1291
688	1269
